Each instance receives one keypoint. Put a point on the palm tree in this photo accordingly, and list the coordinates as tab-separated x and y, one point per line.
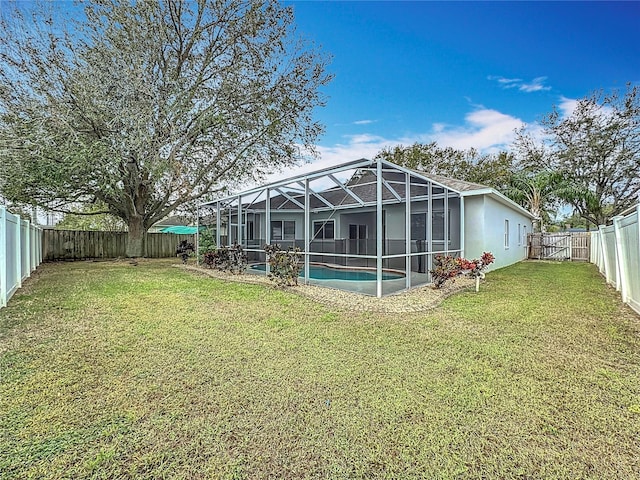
537	192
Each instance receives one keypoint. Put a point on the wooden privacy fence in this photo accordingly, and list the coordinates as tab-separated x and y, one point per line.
20	252
573	246
80	245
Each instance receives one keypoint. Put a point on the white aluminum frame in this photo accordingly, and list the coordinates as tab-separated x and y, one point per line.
297	193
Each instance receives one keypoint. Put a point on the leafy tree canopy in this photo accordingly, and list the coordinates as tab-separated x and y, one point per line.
493	170
144	107
595	150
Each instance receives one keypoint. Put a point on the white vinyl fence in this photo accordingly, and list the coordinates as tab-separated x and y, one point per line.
20	252
615	249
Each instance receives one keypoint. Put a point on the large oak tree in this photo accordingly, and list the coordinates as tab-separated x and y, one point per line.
147	106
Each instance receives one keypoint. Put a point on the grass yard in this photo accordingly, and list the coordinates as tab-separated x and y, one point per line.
110	370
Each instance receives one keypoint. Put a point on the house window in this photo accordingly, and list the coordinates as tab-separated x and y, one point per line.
519	234
506	234
323	230
283	230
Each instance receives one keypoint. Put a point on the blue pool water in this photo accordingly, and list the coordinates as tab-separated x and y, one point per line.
319	272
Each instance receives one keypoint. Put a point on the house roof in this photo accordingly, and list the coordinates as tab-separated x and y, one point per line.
456	185
174	220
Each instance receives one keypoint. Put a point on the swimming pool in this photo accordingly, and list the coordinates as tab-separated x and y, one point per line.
323	272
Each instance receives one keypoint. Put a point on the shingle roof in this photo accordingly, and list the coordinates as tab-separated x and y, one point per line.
452	183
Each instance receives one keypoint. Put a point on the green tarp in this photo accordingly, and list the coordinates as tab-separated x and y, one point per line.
180	230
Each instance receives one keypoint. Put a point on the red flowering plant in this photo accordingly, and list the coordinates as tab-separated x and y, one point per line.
444	268
475	268
448	268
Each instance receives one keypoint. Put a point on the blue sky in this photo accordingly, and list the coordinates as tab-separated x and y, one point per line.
464	74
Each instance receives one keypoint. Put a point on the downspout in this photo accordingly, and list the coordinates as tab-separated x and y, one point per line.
445	204
429	222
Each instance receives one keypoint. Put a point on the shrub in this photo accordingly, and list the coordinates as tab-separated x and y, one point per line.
284	266
184	250
476	267
227	259
448	268
206	243
444	268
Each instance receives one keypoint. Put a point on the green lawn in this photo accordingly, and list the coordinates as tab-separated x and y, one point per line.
110	370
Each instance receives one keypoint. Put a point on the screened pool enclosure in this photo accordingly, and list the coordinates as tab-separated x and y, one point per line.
367	226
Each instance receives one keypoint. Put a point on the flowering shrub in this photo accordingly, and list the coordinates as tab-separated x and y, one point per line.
444	268
284	266
448	268
475	267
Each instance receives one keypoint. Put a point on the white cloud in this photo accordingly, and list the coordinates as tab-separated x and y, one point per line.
567	106
356	147
535	85
363	122
505	82
484	129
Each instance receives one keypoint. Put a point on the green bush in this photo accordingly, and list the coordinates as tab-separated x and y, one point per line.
444	268
448	268
206	243
227	259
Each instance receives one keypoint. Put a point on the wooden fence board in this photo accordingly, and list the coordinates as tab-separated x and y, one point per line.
574	246
80	245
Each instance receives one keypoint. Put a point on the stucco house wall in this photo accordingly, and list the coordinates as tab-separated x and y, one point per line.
487	220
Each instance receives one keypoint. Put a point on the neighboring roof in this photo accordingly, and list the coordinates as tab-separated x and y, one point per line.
174	220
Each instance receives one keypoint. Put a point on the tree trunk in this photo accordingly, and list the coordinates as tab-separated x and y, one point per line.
135	239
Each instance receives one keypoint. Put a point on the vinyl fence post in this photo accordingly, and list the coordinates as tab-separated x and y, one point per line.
18	266
605	257
27	252
621	283
3	257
